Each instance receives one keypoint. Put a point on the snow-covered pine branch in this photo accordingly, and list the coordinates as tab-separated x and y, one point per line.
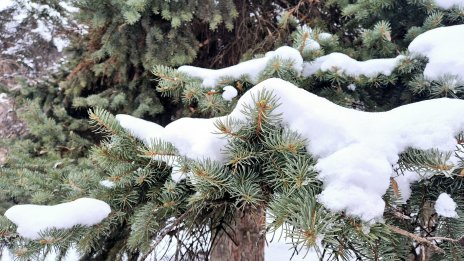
356	150
34	219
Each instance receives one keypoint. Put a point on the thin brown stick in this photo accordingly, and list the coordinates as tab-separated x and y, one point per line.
417	238
442	238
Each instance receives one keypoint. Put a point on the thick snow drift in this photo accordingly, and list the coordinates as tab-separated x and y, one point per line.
31	219
444	47
355	149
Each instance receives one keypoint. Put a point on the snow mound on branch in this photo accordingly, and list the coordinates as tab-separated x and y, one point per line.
444	47
229	93
252	68
142	129
31	219
445	206
107	183
342	63
448	4
356	150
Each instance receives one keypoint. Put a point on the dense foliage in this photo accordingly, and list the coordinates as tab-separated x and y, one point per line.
126	64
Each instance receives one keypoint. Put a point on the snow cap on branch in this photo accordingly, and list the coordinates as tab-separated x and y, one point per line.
448	4
339	62
142	129
444	47
445	206
355	149
31	219
252	68
229	93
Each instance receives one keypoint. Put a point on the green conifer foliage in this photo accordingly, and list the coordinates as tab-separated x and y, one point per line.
267	165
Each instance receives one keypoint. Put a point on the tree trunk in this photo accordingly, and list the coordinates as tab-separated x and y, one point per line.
246	241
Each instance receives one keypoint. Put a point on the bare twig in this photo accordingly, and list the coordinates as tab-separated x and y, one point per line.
417	238
442	238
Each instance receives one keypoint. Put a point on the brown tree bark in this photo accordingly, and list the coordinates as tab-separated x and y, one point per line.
246	240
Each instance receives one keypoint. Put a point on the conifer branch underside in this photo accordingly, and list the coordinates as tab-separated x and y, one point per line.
165	232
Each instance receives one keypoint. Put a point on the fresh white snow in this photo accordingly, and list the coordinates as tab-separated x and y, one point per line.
311	45
4	4
145	130
351	87
31	219
229	93
252	68
444	48
342	63
445	206
107	183
404	182
356	150
3	97
447	4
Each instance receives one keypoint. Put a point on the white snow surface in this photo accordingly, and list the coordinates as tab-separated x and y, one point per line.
342	63
311	45
107	183
4	4
252	68
404	182
324	36
356	150
229	93
447	4
351	87
31	219
445	206
444	48
145	130
3	97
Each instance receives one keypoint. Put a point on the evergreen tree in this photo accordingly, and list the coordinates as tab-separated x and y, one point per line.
109	68
158	189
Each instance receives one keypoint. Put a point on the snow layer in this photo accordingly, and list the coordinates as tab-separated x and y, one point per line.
342	63
445	206
4	4
252	68
404	183
31	219
447	4
107	183
142	129
229	93
356	150
444	48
